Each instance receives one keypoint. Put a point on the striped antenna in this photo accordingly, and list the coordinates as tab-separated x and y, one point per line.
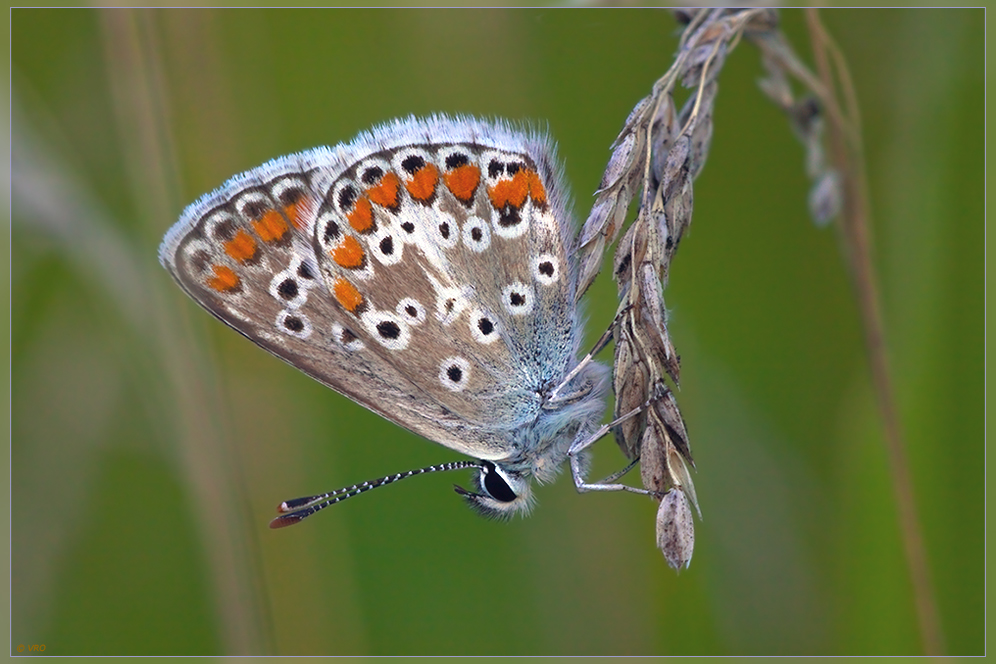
298	509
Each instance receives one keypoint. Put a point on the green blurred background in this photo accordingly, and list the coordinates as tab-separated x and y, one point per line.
150	444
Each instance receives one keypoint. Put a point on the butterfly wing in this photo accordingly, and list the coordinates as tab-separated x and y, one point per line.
422	271
243	253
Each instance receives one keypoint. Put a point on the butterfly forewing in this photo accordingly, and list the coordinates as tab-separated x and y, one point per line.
424	250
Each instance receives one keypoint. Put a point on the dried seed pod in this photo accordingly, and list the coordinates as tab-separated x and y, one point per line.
700	104
631	384
620	163
676	167
665	408
591	263
650	326
601	228
653	458
675	530
701	142
806	117
664	125
659	235
647	342
652	303
680	477
684	15
708	54
605	215
631	252
601	215
807	124
636	117
707	98
775	84
678	213
826	198
663	130
761	22
622	267
664	449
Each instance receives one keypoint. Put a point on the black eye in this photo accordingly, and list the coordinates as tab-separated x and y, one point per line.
456	159
332	232
288	289
413	163
347	196
495	485
372	174
388	329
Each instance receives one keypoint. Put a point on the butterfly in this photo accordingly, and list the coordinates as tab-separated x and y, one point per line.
428	271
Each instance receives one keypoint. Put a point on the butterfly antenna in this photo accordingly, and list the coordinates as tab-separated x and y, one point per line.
298	509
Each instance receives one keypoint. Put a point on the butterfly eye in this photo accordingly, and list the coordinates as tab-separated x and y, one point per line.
496	486
500	493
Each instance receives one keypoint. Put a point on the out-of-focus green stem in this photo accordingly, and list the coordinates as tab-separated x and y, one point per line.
844	133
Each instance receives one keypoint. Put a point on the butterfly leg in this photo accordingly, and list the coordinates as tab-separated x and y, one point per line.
579	467
607	484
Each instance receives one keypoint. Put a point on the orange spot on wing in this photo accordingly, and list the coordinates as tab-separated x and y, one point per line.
347	295
423	184
361	218
536	189
510	192
241	247
271	226
349	253
385	194
224	278
298	212
462	181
